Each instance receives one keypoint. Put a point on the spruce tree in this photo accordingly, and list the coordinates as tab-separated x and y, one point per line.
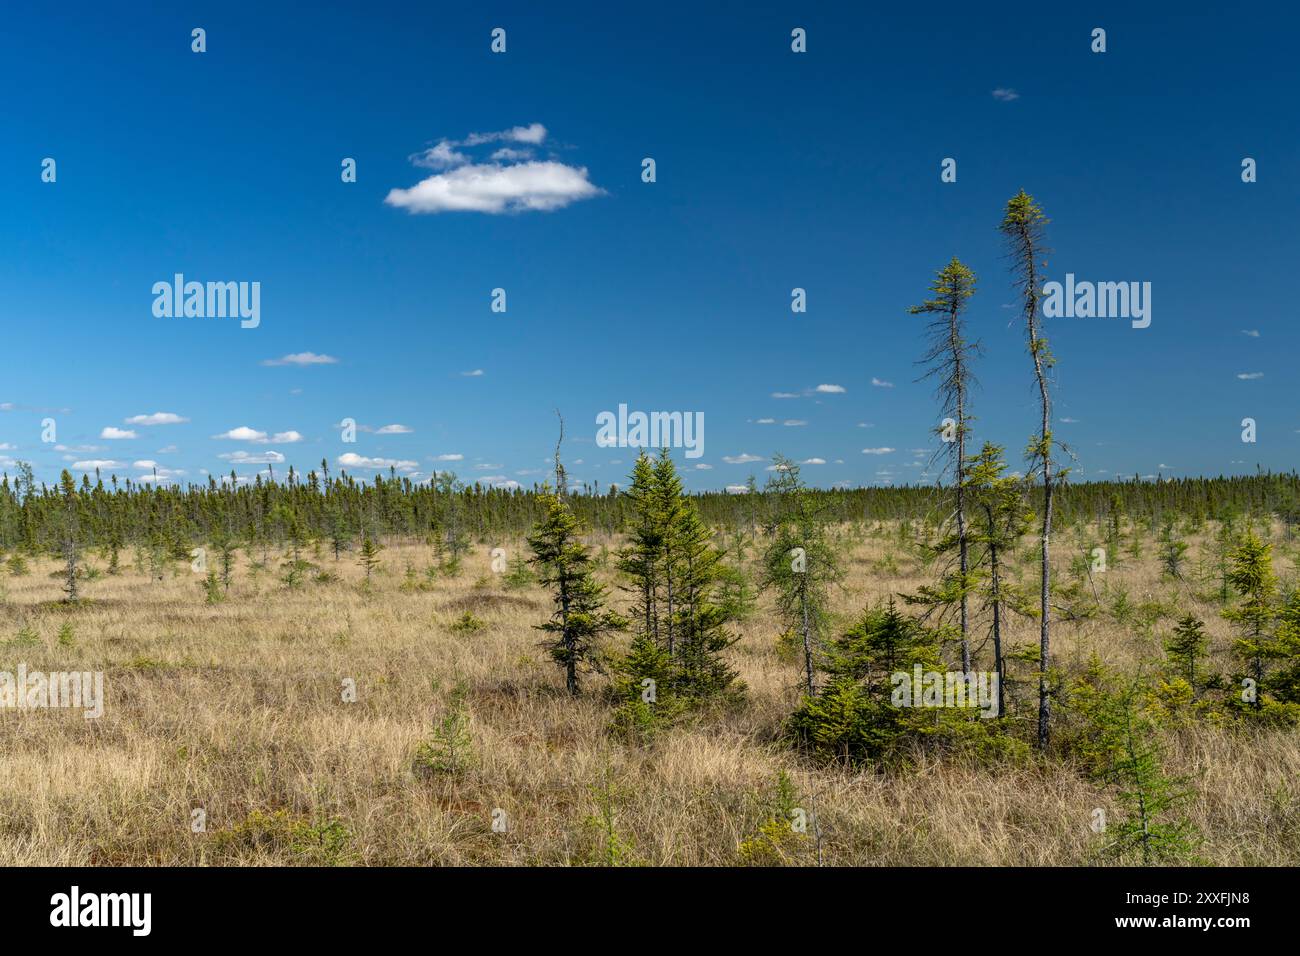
1025	228
799	563
1187	645
948	360
565	567
1002	520
71	531
1250	573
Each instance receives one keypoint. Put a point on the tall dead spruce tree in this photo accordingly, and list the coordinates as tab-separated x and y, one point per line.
948	360
1025	229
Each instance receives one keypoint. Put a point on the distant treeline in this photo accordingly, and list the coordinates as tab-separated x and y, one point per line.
108	512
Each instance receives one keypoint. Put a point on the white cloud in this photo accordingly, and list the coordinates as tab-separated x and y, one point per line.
1253	333
831	389
451	457
1249	376
866	425
1005	95
766	421
703	467
353	460
794	422
473	373
93	463
878	451
744	458
737	489
507	155
533	134
157	418
243	433
1069	421
248	458
395	430
442	156
535	186
813	461
302	358
111	432
80	449
145	463
881	383
785	394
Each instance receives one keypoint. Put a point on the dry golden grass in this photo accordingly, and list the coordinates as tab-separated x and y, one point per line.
237	708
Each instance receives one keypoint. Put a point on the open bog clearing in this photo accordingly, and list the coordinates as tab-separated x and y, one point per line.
418	721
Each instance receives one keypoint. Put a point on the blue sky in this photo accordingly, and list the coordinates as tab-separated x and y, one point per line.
775	170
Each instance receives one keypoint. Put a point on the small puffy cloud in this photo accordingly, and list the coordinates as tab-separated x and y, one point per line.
243	433
250	458
302	359
442	156
1253	333
507	155
93	463
1005	95
353	460
866	425
394	430
534	186
766	421
450	457
157	418
813	461
111	432
881	383
703	467
1069	421
878	451
473	373
1249	376
794	422
533	134
737	489
785	394
145	463
744	458
831	389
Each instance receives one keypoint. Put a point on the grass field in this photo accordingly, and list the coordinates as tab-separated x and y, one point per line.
237	709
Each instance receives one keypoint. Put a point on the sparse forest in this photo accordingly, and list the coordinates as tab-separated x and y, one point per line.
385	672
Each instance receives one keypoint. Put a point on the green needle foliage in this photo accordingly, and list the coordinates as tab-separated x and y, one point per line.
565	568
